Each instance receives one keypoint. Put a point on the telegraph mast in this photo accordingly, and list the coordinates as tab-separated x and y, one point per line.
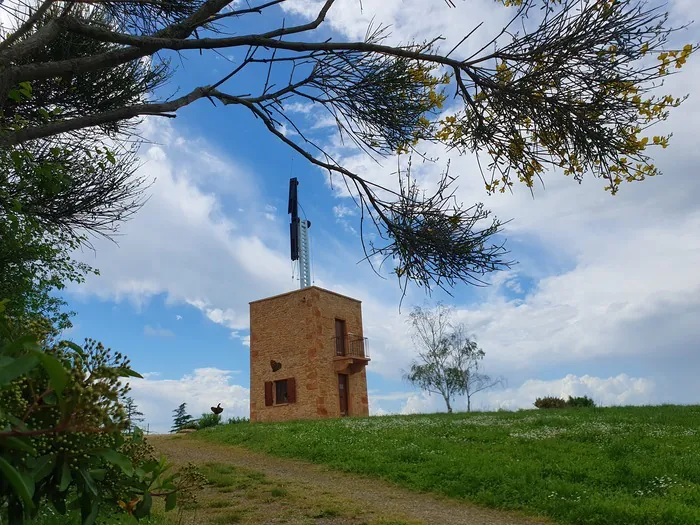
299	236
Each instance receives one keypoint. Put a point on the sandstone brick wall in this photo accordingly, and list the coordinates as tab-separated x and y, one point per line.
297	330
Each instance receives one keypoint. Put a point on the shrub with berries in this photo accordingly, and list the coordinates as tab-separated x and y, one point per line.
62	439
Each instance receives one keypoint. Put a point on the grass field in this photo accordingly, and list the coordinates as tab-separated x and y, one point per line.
586	466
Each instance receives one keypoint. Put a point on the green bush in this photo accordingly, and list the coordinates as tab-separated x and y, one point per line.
208	420
550	402
62	445
236	420
580	402
557	402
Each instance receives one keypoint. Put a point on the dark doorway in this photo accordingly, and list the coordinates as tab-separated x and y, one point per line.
339	337
343	393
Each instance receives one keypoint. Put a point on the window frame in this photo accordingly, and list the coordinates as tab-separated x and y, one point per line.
277	384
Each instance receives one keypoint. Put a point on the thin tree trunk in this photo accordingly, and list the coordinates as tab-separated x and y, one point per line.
447	402
469	403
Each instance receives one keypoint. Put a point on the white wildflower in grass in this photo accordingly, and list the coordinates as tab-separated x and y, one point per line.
658	486
539	433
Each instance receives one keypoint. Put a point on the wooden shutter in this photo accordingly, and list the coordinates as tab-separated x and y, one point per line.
291	390
268	393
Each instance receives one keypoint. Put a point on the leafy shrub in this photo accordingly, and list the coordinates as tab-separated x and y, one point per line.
192	425
62	445
236	420
580	402
550	402
208	420
557	402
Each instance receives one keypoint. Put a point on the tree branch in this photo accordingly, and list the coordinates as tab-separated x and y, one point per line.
26	26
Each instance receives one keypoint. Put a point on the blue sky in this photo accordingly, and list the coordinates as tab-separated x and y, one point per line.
604	301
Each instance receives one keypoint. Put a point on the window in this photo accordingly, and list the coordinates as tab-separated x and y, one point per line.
340	337
281	392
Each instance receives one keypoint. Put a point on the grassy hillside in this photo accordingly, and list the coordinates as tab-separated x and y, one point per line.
585	466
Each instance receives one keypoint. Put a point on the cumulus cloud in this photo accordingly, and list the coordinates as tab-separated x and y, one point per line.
375	409
157	331
603	285
610	391
183	244
203	388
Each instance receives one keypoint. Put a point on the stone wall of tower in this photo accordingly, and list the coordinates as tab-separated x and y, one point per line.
297	330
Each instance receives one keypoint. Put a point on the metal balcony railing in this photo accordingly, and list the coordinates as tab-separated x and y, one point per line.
351	346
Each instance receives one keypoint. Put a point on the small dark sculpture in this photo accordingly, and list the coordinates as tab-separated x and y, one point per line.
275	365
217	409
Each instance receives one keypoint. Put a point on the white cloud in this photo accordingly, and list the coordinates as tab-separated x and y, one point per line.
341	211
299	107
178	318
375	409
424	403
183	245
602	280
245	339
157	331
611	391
205	387
352	19
604	285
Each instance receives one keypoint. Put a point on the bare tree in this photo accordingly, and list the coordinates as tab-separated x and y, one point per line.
448	359
468	362
566	83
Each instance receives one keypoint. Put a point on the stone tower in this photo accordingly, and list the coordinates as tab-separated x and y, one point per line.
307	356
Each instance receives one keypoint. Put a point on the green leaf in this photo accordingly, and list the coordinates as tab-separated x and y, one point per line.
150	466
98	473
59	502
51	399
137	436
26	342
15	95
58	377
128	372
18	367
26	88
170	501
44	466
119	460
119	371
110	156
89	483
22	485
18	444
77	349
143	508
66	478
89	508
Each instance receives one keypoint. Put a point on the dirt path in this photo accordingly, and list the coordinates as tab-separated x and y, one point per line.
356	499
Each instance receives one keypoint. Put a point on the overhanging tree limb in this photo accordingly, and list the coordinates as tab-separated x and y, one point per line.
570	89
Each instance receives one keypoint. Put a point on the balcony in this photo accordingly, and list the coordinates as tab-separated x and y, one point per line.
351	354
